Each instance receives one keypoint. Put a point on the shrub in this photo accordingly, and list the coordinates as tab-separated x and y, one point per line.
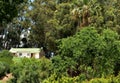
30	70
6	56
5	62
65	79
79	79
4	68
110	79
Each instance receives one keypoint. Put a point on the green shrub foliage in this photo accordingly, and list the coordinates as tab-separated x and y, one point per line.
89	52
5	62
81	79
4	68
32	70
6	56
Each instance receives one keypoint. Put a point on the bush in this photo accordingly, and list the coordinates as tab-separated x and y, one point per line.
4	68
30	70
6	56
5	62
65	79
81	79
110	79
104	80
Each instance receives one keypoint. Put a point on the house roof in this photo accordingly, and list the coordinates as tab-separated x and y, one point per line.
30	50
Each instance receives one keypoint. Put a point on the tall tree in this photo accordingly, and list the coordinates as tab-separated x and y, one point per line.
5	10
89	53
8	10
40	13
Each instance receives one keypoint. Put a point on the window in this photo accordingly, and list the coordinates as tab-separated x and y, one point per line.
28	54
20	54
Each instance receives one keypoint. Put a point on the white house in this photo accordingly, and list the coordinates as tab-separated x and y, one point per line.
27	52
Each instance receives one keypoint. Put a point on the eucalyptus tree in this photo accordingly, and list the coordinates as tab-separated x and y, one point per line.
5	10
8	10
10	36
6	15
50	21
39	14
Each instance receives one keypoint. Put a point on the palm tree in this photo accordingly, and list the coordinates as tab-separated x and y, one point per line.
81	13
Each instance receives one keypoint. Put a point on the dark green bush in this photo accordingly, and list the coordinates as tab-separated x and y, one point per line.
30	70
6	56
4	68
5	62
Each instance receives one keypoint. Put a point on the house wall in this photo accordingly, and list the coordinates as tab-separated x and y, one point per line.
37	55
28	55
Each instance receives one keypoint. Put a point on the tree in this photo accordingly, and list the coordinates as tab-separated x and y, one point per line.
61	25
103	14
49	21
89	53
97	13
8	10
6	15
40	12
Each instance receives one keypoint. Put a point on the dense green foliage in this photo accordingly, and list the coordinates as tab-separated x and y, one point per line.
4	68
5	10
27	70
83	34
50	20
9	9
111	79
57	19
89	53
5	62
6	56
86	55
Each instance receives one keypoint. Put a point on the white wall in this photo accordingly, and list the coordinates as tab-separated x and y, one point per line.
28	55
37	55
